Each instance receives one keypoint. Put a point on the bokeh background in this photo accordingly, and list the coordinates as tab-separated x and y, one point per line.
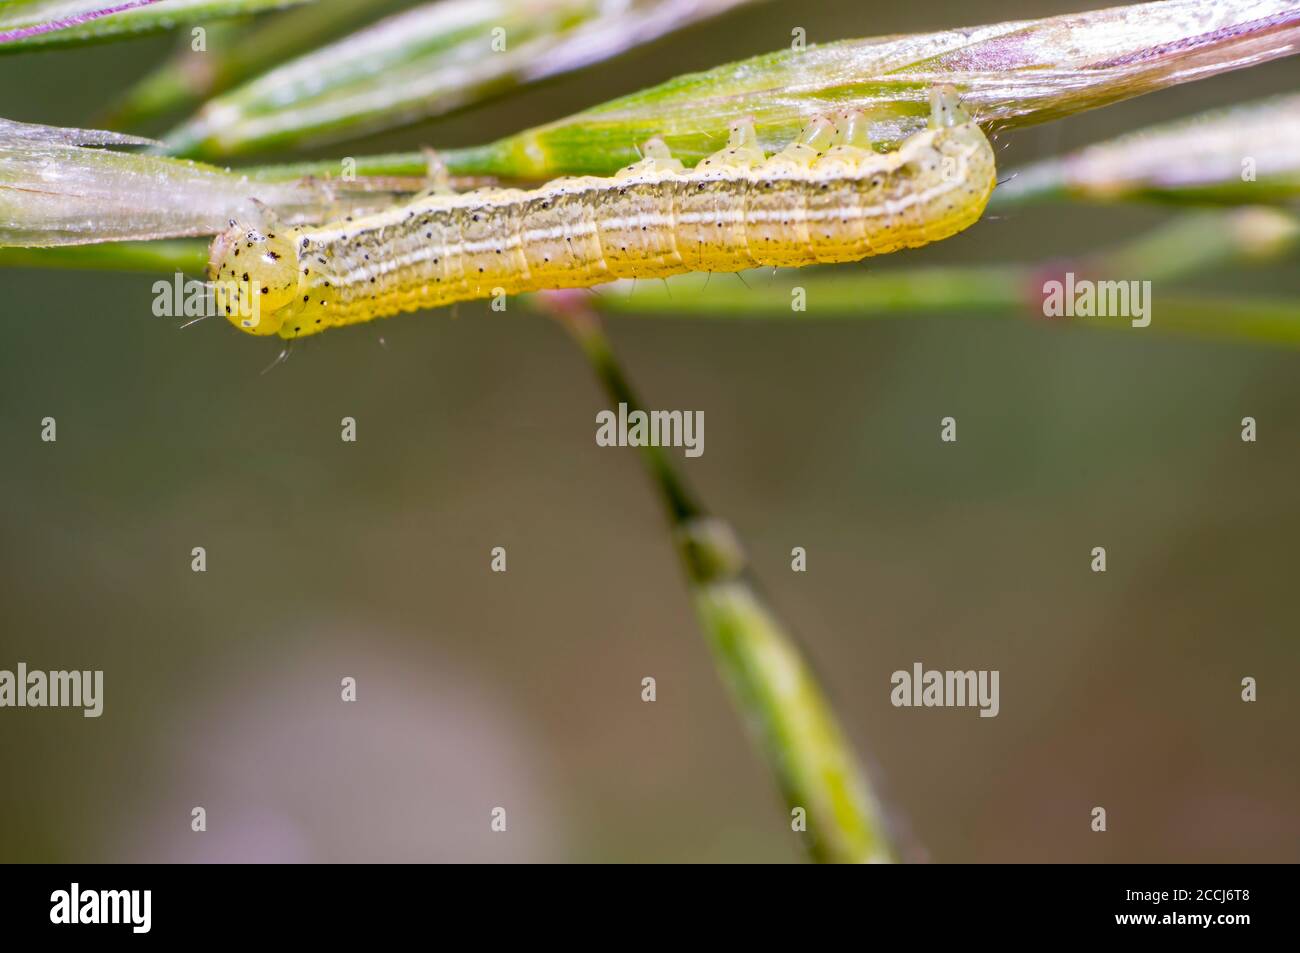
522	689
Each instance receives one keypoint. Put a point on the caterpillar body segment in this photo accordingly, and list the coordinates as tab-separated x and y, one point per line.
826	197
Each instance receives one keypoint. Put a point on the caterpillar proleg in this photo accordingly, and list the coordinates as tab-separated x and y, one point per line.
826	197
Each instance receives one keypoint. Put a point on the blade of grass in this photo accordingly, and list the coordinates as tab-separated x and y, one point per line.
779	698
54	191
1184	248
47	17
236	51
1244	155
1010	74
38	24
425	62
168	257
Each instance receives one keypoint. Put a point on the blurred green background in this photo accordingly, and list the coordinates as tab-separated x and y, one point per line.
522	689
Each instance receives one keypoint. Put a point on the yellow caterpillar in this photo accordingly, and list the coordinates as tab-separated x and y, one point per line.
827	197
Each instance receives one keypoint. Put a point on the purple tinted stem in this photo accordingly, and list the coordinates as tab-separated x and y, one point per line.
76	20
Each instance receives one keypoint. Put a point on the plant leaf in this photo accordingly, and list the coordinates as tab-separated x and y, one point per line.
424	62
1244	155
31	24
56	191
236	51
1011	74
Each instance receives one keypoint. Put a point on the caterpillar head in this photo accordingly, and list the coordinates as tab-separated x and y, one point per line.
254	274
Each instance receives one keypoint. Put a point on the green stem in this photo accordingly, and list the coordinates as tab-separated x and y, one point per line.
776	691
1182	248
472	161
190	257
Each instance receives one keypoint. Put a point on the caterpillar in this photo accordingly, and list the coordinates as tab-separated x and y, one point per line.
826	197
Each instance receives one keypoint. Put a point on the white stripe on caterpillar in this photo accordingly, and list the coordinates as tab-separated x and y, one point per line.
827	197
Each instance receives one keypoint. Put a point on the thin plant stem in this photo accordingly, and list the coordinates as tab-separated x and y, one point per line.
785	709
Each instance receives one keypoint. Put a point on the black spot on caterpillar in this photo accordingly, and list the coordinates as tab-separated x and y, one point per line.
826	197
